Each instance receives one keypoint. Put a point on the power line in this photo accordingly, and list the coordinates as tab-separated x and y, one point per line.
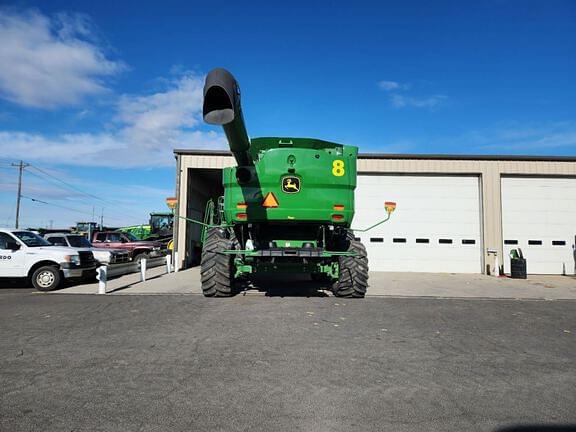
85	202
77	189
64	185
62	207
54	205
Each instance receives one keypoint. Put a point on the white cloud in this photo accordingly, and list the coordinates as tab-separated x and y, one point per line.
388	85
50	62
430	102
157	119
399	99
145	131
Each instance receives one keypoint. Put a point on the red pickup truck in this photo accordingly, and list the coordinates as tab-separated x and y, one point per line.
138	248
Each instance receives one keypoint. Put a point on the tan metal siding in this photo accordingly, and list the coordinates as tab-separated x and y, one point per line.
490	172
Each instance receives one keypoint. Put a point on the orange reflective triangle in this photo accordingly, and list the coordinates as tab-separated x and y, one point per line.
270	201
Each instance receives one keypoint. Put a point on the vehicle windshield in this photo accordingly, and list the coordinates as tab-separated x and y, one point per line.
78	241
30	239
131	236
85	226
161	222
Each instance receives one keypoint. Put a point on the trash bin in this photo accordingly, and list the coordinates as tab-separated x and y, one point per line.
517	264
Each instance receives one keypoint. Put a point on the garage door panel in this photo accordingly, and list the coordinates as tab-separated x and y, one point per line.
408	218
432	208
542	210
428	258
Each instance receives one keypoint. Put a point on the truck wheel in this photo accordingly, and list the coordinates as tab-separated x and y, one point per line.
140	257
353	273
216	268
46	278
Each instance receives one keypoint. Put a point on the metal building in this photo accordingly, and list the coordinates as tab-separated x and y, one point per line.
455	213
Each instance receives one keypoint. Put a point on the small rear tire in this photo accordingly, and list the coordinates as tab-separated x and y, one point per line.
46	278
216	267
353	272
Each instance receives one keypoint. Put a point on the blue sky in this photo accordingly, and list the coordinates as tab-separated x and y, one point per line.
97	94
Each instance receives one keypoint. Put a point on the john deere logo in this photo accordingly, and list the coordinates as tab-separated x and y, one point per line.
291	184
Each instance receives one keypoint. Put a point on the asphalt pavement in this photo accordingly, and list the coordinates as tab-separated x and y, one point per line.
283	363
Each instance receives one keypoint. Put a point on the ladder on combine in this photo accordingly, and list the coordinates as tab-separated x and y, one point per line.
213	215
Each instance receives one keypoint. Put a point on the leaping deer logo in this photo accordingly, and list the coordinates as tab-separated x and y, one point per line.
291	184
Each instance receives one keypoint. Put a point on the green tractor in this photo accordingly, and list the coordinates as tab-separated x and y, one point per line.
159	228
287	206
139	232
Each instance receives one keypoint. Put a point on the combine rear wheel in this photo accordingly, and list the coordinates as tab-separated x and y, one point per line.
353	274
217	268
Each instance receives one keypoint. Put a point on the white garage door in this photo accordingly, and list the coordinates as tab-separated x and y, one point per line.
539	217
435	228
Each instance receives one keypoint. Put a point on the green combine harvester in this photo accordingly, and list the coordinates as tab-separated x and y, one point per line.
287	207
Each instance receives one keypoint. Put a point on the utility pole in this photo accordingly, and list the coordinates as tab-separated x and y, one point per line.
21	167
102	219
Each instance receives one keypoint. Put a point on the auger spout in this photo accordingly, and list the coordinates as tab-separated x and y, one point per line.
222	107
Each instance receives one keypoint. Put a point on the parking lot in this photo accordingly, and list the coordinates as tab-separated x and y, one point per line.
285	362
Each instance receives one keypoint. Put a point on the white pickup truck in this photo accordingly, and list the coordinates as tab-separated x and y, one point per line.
24	254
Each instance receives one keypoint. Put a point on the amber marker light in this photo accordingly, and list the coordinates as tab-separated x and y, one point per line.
241	206
338	207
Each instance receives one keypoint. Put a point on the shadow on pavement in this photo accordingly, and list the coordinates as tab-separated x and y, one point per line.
26	284
131	284
14	283
284	286
538	428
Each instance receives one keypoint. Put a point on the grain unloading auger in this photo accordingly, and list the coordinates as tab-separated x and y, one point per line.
287	207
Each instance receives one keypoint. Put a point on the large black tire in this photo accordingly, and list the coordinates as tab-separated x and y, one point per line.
217	268
353	274
46	278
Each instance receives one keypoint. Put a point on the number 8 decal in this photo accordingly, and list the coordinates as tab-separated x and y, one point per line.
338	168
